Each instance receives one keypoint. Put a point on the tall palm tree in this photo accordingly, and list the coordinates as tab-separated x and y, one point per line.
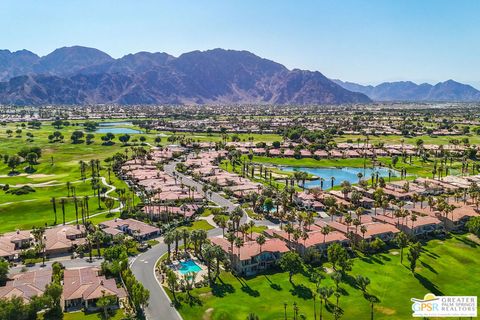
332	211
185	237
177	236
68	188
363	230
239	243
324	293
90	241
415	198
98	237
76	208
325	231
54	204
168	239
251	224
62	202
231	239
261	241
289	229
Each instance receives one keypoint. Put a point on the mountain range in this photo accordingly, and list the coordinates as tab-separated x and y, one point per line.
448	91
80	75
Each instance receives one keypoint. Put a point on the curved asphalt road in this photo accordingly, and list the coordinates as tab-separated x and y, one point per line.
143	266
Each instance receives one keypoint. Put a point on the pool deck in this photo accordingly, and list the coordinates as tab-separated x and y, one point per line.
176	267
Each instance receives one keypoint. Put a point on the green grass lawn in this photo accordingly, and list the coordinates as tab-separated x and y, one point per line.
35	209
58	165
397	139
198	225
445	268
91	316
216	137
311	162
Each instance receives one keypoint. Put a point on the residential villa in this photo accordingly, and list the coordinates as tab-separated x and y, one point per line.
137	229
27	284
315	239
12	243
252	258
84	286
63	238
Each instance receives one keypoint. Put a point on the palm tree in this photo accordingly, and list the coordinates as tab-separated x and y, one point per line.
401	240
332	211
54	204
239	243
359	176
332	179
413	218
324	293
325	231
415	198
98	237
62	201
363	230
362	282
372	299
177	236
231	239
289	229
251	224
90	241
185	237
221	221
38	235
260	241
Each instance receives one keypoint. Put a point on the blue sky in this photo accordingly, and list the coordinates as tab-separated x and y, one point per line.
367	41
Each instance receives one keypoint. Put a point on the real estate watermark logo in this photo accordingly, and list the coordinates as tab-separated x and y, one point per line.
444	306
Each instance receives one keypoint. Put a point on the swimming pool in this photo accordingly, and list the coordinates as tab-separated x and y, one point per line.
188	266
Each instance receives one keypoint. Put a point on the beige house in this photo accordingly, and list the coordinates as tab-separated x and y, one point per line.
12	243
84	286
27	285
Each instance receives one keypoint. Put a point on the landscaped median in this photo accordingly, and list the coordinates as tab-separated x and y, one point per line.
446	267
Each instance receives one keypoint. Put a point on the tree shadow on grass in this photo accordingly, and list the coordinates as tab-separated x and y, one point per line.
247	289
194	301
350	280
330	306
110	214
468	242
430	254
222	289
376	260
301	291
429	267
366	260
427	284
385	257
251	292
274	286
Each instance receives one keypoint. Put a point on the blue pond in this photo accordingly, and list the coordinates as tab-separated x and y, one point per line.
117	128
341	174
188	266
